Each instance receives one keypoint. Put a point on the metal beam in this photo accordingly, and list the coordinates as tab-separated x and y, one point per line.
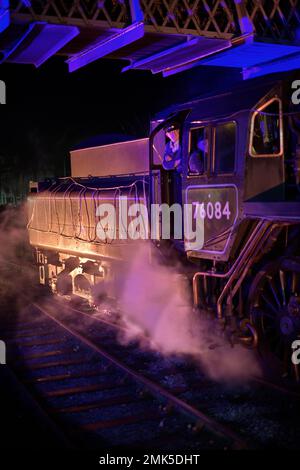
290	62
41	42
159	16
246	25
251	55
136	11
4	15
221	18
119	23
104	47
5	54
173	59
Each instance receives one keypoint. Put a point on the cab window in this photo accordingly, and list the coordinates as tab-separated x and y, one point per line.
225	144
266	130
198	150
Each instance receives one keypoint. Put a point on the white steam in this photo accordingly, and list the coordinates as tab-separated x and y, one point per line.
155	301
18	277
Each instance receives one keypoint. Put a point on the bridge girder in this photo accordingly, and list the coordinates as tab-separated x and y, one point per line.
222	18
162	25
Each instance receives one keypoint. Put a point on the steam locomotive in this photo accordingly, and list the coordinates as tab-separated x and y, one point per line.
247	187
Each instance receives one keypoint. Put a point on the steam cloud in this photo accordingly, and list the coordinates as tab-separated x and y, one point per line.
17	272
155	301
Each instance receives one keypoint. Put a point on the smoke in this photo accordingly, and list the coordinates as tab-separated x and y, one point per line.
155	303
18	278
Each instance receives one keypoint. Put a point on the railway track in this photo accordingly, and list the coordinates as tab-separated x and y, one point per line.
293	392
262	411
98	400
101	392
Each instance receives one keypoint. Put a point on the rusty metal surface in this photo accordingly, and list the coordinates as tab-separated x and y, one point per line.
272	19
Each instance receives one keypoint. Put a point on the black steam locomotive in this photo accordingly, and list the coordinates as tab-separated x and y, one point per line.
239	153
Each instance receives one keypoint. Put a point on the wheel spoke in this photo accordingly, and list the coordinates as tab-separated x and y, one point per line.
295	283
282	285
269	303
273	290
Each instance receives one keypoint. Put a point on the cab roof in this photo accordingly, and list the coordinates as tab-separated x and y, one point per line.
224	102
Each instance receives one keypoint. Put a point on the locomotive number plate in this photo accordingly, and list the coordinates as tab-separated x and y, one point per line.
218	207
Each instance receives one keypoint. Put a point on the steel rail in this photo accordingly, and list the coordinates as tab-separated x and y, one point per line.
157	389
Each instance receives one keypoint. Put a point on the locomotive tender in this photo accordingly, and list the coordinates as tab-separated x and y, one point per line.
246	186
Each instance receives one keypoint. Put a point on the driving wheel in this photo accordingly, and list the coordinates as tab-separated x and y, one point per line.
274	310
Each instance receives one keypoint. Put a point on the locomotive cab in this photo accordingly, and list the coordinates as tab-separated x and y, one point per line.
239	161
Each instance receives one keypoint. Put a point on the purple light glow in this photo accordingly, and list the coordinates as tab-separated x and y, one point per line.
104	47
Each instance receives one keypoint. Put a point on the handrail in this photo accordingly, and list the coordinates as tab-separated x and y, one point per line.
230	271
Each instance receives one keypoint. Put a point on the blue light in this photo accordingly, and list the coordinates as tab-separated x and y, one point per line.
136	11
251	54
4	15
41	42
246	25
286	64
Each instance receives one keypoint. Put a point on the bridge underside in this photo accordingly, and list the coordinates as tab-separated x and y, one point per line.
164	36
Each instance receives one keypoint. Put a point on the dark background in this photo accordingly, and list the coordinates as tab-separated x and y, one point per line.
49	111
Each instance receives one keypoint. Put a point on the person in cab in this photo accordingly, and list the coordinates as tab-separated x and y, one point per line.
172	159
197	160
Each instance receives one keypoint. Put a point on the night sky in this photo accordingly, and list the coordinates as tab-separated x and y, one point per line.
49	111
